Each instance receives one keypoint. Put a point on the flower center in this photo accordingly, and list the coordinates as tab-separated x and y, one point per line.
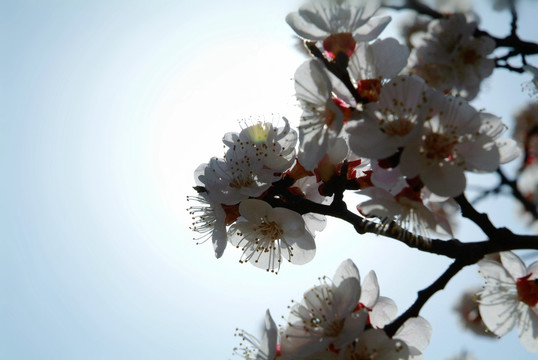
470	57
337	43
329	116
438	146
270	229
334	328
369	89
258	132
398	127
527	290
239	182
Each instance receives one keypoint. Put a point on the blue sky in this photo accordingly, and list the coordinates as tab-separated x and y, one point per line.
106	109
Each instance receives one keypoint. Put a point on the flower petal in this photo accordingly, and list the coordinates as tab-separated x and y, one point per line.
369	290
347	269
528	329
383	312
513	264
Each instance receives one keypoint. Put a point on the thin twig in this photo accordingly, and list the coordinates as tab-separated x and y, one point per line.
528	205
424	296
480	219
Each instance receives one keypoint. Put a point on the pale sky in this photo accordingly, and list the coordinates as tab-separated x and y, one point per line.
106	109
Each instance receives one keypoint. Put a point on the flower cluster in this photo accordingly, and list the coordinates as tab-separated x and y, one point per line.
394	124
340	319
403	144
229	191
450	58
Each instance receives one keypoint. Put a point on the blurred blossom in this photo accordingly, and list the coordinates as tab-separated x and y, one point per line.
467	310
450	58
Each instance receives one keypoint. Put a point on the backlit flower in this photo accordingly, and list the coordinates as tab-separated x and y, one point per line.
322	119
455	139
256	157
340	24
209	220
266	235
392	122
510	298
327	315
450	58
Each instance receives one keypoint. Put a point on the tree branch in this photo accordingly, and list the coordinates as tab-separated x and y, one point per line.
480	219
424	296
528	205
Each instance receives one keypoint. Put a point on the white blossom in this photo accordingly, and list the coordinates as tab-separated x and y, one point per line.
272	147
209	220
321	120
340	24
510	298
392	122
327	315
266	235
256	157
450	58
455	139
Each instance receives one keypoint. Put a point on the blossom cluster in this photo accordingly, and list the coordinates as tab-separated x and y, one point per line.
339	319
403	144
394	124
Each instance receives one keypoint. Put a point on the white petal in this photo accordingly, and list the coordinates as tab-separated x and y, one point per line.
311	83
480	154
254	210
446	180
314	222
498	301
305	29
367	140
508	150
219	237
347	269
383	312
513	264
289	221
390	55
269	339
353	327
377	342
298	343
416	332
346	296
528	329
371	29
304	248
369	290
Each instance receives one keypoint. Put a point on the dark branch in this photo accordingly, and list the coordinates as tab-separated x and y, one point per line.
513	12
528	205
499	239
480	219
424	296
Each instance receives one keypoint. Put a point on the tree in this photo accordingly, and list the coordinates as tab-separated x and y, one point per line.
397	127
